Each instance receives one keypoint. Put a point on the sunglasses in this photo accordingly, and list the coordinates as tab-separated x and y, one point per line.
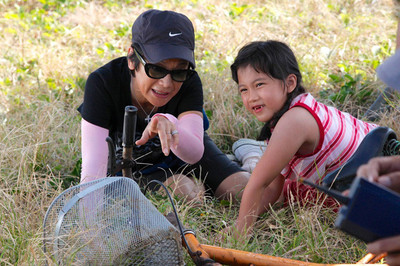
156	72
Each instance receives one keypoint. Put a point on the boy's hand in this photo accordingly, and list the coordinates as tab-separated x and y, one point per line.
232	232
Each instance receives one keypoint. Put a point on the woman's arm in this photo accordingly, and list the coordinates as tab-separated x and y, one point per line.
296	130
187	144
94	151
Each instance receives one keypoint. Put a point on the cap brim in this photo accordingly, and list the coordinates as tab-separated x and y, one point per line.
389	71
155	53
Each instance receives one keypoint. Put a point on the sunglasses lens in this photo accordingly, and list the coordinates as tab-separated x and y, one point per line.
156	72
180	75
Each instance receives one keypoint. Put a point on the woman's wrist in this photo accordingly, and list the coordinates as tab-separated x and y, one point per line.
170	117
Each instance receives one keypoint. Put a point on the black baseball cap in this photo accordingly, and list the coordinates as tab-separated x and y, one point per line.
164	35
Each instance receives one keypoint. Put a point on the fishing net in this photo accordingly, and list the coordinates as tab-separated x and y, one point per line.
109	222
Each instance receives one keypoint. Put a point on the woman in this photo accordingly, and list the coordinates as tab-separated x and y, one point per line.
157	76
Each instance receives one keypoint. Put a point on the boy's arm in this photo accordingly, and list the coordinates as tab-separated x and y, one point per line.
296	130
256	199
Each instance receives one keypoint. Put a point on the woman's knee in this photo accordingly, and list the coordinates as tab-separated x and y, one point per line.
185	187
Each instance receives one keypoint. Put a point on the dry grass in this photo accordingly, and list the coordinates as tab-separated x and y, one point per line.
49	49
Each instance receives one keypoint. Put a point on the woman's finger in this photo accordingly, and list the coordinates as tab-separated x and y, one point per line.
145	137
149	132
175	138
165	139
164	130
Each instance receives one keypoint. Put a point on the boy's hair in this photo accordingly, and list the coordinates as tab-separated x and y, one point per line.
278	61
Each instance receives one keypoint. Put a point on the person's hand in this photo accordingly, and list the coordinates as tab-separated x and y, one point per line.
165	130
385	171
222	236
391	245
382	170
231	232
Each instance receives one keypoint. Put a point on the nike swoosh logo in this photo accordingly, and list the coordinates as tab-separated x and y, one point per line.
174	34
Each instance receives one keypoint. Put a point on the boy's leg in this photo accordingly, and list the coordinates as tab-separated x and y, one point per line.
248	152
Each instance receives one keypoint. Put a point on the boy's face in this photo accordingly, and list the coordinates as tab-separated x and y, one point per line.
262	96
157	91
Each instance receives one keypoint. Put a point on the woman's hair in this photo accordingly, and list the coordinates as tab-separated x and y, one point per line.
135	60
278	61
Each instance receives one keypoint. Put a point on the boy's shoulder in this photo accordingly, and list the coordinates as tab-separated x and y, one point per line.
304	98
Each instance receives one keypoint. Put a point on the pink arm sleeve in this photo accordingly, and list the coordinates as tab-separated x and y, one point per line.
94	151
191	133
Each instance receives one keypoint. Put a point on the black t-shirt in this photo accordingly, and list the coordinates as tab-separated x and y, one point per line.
107	92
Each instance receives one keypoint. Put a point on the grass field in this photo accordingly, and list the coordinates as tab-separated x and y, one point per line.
49	47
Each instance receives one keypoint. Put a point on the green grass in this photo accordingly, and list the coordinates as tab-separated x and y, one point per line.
49	47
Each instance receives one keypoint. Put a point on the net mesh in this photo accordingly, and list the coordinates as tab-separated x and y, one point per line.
109	221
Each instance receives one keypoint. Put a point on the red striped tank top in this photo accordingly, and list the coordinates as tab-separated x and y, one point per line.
340	136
